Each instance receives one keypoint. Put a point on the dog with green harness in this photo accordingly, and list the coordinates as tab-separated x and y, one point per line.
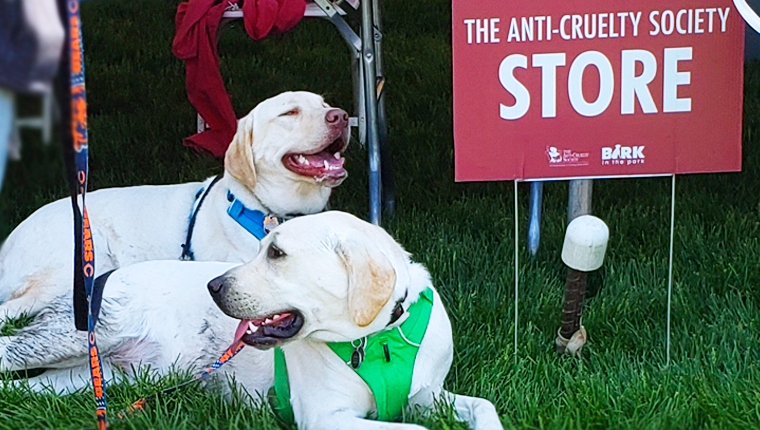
361	337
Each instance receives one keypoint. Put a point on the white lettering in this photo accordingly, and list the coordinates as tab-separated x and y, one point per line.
612	26
635	21
691	20
632	86
514	34
633	153
494	30
565	35
527	29
622	16
577	23
548	64
655	25
603	26
672	79
638	70
589	30
540	26
680	29
710	12
481	31
575	83
723	18
469	23
515	87
668	22
698	20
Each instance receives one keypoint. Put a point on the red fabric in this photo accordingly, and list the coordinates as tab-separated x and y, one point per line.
197	23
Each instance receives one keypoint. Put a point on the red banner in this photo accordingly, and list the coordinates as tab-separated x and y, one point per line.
549	90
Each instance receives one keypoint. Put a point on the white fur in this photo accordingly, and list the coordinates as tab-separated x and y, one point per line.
155	315
160	314
314	277
144	223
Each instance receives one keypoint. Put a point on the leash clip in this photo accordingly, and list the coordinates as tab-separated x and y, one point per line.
357	357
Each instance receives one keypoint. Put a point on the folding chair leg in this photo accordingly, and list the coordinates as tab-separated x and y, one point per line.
369	61
388	195
367	65
357	77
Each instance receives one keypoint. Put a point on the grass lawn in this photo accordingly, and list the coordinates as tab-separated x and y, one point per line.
463	232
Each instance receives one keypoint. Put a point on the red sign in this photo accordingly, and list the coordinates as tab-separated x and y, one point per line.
547	90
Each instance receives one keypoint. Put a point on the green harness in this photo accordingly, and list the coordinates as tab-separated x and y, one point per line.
386	368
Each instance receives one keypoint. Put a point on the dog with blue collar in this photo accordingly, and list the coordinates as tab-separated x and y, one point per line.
285	159
361	331
265	184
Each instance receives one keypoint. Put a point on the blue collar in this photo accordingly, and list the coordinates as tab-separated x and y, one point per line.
251	220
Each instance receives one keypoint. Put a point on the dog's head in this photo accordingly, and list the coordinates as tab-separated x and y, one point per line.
289	148
329	277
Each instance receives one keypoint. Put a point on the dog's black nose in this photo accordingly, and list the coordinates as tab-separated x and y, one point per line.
216	285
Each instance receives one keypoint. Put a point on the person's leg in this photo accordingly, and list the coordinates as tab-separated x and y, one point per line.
6	124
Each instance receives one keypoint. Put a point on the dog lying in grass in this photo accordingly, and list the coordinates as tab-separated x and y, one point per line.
362	331
284	160
336	295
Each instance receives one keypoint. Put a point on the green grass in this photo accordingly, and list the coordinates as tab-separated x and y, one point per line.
462	232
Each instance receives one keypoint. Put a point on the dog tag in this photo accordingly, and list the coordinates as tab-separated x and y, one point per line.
270	222
358	355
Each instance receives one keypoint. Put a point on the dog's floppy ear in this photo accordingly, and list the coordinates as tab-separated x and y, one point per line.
238	160
371	280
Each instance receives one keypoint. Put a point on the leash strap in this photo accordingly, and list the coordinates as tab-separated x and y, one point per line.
75	151
139	405
256	223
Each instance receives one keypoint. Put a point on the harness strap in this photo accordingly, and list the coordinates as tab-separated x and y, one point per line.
187	252
387	366
398	310
97	294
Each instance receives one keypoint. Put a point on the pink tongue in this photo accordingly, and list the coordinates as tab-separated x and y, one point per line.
318	160
241	328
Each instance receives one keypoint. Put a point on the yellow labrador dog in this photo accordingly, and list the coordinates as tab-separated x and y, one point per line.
338	294
319	282
284	160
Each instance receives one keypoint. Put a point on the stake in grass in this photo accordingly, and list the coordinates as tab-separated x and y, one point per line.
583	251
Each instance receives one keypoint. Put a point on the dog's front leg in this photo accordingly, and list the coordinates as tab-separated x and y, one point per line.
347	420
26	305
479	413
50	341
35	350
326	394
59	381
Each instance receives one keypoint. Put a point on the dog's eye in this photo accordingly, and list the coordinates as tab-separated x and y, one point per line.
274	252
292	112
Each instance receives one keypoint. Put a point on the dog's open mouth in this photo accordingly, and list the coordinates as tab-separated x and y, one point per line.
325	165
264	333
